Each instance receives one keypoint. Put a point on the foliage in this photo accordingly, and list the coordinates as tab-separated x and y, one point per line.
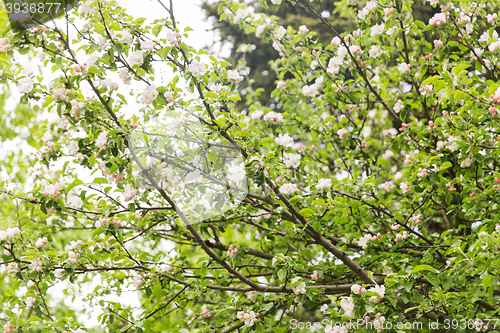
370	194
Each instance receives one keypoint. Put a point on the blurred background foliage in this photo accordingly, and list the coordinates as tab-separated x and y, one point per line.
256	53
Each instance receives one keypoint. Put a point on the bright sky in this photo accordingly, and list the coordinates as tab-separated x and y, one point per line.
189	14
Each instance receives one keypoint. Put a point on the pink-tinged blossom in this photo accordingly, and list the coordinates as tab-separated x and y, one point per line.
197	68
136	58
9	233
126	37
362	13
404	187
313	89
169	96
8	327
342	133
148	45
324	183
74	244
257	115
232	250
274	117
137	281
391	32
30	301
335	41
73	257
60	93
109	84
400	237
437	43
102	140
35	265
174	37
288	188
404	68
40	241
354	49
124	75
377	29
491	17
4	41
452	144
315	276
347	304
74	201
73	148
86	8
149	94
281	85
291	160
438	19
25	85
284	140
249	318
334	65
375	51
300	287
380	290
51	190
398	106
41	56
12	268
303	29
298	146
467	162
234	76
129	193
357	289
425	90
91	60
47	137
205	313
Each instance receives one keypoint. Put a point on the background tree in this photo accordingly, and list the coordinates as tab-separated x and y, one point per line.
254	54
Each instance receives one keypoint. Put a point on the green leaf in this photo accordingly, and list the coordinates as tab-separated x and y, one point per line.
433	279
157	29
282	274
430	79
100	180
445	165
487	281
76	182
421	268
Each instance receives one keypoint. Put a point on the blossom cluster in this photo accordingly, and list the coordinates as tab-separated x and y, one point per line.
248	317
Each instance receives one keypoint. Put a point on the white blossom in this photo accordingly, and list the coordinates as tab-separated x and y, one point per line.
284	140
25	85
377	29
136	58
324	183
288	188
291	160
197	68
